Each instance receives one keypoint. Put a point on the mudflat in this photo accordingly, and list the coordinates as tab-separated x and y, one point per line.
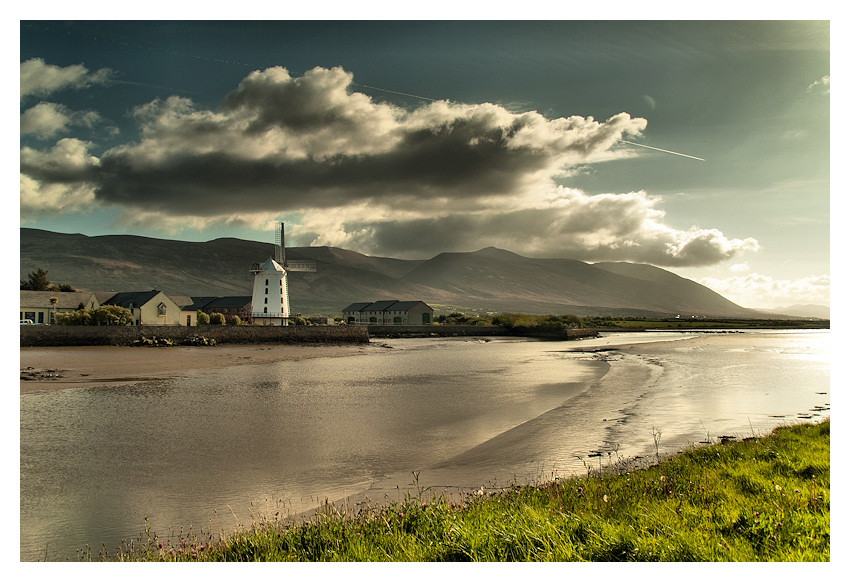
58	368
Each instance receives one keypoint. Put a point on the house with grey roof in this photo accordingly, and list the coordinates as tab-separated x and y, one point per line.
40	307
389	312
151	308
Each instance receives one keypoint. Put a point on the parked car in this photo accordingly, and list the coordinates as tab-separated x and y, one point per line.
27	322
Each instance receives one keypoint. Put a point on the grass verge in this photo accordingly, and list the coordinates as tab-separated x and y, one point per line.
760	499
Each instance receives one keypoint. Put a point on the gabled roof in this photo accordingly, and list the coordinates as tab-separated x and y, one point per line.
64	299
381	305
182	301
357	306
134	298
233	301
103	296
386	305
408	305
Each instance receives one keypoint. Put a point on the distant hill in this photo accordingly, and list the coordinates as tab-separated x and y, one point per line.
486	280
805	311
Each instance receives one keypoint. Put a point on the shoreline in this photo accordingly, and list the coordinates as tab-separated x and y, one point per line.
630	365
47	369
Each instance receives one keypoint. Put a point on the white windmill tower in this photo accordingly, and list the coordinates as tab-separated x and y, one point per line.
270	300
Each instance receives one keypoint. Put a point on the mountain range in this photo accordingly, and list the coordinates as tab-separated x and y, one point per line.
488	280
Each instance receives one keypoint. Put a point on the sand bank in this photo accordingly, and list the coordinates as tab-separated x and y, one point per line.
57	368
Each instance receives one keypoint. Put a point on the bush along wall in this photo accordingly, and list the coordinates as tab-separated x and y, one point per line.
73	335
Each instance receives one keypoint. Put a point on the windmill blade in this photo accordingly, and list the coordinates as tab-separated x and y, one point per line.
303	266
279	253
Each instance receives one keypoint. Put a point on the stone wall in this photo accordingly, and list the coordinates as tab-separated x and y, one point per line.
94	335
432	330
395	331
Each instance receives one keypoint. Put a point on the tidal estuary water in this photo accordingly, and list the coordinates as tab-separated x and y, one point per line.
220	449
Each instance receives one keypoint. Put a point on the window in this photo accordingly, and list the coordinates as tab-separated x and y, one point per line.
266	300
265	309
267	290
267	282
160	309
188	320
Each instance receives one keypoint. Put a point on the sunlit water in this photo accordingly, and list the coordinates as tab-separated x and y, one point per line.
217	450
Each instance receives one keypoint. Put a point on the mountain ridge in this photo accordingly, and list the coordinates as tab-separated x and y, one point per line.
490	279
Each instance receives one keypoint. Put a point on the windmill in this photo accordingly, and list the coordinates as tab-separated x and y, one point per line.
270	300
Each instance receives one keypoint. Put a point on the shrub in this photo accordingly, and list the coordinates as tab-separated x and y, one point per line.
203	318
103	315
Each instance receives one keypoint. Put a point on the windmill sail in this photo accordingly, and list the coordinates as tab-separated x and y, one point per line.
280	254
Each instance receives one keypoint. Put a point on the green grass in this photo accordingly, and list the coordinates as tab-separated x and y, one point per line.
760	499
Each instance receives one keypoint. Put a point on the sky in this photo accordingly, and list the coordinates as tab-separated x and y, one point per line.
411	138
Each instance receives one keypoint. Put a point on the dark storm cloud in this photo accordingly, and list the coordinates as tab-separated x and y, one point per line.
370	176
425	164
280	143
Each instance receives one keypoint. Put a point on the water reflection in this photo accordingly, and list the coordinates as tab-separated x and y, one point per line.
216	449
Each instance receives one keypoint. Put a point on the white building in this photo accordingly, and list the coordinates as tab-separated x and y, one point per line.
40	307
270	299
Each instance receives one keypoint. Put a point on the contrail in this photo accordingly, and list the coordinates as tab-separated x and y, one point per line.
660	150
395	92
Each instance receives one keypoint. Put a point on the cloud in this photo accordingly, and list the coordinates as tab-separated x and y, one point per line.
280	143
762	291
49	119
39	78
820	86
565	223
371	176
58	180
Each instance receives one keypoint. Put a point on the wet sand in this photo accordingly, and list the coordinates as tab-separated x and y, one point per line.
59	368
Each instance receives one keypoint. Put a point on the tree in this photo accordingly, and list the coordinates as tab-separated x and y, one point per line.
62	288
36	281
203	318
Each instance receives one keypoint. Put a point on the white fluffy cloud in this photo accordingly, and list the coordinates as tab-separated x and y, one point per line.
820	86
57	180
564	223
49	119
370	176
39	78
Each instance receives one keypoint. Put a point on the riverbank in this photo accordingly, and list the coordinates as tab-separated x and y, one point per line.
58	368
762	499
463	412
